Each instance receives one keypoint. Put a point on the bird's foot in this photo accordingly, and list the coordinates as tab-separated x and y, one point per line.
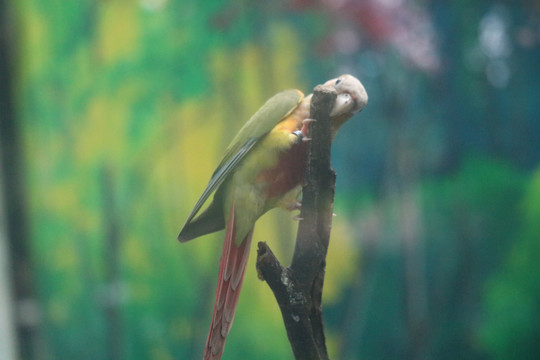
305	128
302	134
291	205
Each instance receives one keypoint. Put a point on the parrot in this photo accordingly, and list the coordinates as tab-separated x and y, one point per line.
262	168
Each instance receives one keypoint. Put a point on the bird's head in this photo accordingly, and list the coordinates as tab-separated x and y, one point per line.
351	98
351	95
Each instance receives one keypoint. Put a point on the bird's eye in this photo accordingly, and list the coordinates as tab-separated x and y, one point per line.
338	81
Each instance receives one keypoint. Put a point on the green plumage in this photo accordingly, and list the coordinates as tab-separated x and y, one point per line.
261	123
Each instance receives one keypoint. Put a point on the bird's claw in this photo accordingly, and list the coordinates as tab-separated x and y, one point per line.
302	134
293	205
305	126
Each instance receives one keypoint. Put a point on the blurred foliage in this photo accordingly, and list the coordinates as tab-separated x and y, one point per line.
512	318
125	107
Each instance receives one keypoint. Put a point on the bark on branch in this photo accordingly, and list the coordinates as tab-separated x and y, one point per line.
298	288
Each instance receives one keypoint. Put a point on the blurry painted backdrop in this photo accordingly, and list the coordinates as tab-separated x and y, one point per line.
115	112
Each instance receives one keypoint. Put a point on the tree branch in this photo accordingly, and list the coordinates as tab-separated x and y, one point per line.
298	288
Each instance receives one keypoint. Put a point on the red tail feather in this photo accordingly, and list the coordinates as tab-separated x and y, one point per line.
231	273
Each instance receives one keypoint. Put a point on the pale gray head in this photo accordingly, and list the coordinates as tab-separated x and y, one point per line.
351	95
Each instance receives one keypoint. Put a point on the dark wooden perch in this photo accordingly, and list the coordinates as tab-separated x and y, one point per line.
298	288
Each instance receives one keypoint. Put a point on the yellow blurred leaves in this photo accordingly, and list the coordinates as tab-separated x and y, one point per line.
161	353
251	79
199	131
65	257
137	256
341	262
118	29
103	134
35	38
286	52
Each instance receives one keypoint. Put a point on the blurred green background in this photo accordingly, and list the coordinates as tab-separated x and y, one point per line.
114	114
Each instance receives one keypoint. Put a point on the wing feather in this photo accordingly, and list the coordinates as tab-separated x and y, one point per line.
217	179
